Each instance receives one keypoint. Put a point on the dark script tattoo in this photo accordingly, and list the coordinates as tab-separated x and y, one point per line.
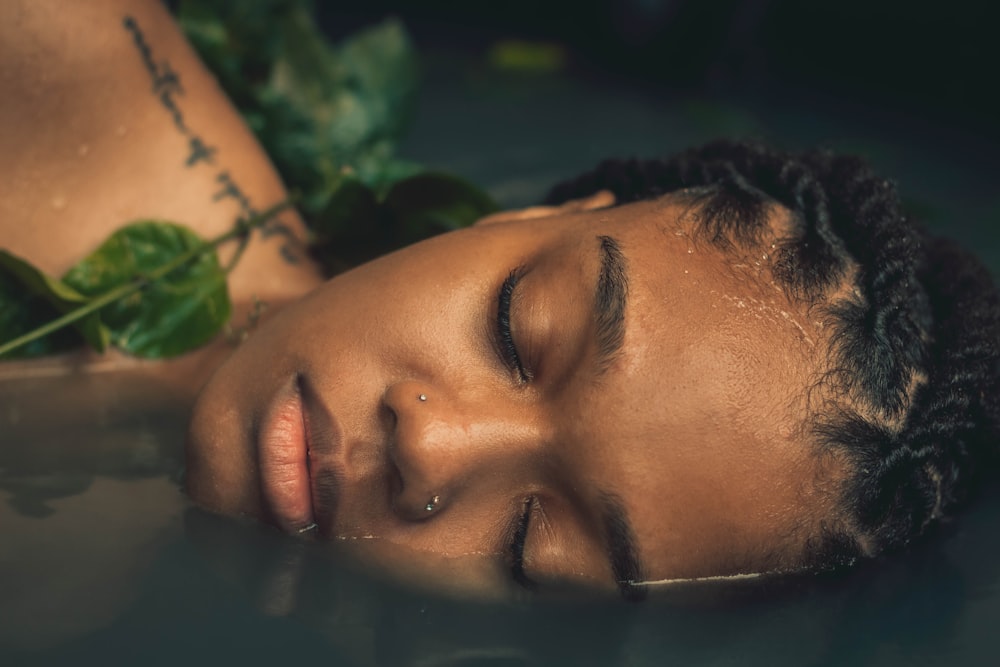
167	87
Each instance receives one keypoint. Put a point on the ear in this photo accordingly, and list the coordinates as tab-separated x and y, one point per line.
600	199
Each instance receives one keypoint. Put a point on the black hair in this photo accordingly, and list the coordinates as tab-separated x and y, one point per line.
914	354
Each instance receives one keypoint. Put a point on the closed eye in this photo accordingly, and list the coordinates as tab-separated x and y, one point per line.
504	336
515	552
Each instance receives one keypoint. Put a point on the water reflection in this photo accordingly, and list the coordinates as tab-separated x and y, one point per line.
914	608
88	494
62	431
101	553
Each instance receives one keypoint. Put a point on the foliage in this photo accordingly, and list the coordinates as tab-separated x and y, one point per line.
329	116
320	111
153	289
179	312
29	299
359	224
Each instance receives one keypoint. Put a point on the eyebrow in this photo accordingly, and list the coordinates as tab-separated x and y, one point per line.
622	551
610	301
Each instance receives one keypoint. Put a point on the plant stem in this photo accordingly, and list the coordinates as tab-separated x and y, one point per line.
242	228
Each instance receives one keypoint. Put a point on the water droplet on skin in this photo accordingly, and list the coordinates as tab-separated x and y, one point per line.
83	150
59	202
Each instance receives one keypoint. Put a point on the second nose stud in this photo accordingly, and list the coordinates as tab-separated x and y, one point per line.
432	504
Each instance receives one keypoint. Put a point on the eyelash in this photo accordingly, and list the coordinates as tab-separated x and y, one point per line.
516	550
508	349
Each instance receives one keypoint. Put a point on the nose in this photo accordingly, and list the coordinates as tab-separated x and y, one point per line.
449	446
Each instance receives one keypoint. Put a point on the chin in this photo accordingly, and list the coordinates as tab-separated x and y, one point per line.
219	474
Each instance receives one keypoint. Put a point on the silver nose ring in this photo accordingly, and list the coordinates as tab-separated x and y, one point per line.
432	504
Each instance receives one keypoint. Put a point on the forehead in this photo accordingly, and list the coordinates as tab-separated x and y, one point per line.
697	425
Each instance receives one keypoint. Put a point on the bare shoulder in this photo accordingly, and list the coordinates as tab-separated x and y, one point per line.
109	117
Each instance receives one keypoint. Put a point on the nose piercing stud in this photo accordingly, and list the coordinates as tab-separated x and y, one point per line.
423	397
432	503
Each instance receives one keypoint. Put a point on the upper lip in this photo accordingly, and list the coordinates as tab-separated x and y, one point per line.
296	440
325	441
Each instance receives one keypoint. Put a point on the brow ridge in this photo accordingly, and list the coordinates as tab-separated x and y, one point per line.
610	302
623	552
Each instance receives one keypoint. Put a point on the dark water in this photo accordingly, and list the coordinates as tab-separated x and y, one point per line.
102	560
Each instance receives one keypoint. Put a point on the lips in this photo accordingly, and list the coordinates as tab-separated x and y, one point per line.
295	435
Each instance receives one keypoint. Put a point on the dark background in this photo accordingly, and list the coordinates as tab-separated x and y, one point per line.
932	60
908	85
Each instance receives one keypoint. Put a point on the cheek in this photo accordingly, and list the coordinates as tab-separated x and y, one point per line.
356	337
560	546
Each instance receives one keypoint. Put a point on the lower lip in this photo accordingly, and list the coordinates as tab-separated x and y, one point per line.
283	459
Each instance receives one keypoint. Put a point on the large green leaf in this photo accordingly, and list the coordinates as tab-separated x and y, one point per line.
170	316
30	298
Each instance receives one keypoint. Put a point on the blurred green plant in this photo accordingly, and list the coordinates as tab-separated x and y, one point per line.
319	110
514	55
331	117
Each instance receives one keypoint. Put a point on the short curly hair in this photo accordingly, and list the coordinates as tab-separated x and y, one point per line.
914	354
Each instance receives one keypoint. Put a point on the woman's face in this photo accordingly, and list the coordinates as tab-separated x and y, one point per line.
639	419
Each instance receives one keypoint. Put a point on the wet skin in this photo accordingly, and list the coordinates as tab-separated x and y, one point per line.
675	452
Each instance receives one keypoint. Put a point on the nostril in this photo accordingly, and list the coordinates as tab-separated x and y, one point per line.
417	436
413	506
395	481
388	416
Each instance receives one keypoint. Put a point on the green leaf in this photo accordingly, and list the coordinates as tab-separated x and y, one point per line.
31	298
22	312
349	229
325	109
382	64
170	316
236	39
380	173
352	206
330	117
433	202
355	226
316	107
